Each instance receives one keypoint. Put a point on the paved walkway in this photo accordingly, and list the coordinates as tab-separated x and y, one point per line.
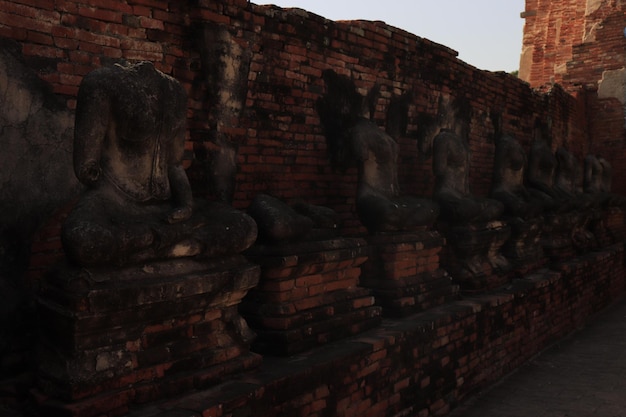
583	375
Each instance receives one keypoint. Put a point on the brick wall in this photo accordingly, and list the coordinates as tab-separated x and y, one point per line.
571	41
599	65
551	29
581	44
426	364
281	149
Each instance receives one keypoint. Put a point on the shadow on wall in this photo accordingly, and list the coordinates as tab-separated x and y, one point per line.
36	176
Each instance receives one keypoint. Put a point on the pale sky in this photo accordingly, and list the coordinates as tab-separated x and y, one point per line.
486	33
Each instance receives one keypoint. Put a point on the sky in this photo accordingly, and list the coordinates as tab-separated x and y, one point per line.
486	33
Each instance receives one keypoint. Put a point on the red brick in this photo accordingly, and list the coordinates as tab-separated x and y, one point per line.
148	23
100	14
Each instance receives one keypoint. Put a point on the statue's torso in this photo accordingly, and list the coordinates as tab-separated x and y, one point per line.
377	155
454	178
145	120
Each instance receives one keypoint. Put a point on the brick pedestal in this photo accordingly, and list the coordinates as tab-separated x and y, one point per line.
122	336
607	226
308	295
523	249
473	255
565	235
403	271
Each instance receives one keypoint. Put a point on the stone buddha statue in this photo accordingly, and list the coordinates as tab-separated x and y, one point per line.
353	137
598	182
593	178
569	180
508	185
470	224
379	203
128	147
280	223
451	163
541	178
607	175
523	212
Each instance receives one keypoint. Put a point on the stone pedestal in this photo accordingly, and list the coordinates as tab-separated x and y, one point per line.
114	337
607	226
308	295
523	249
614	220
473	255
566	235
403	271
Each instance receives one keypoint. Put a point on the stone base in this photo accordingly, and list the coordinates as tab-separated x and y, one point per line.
110	338
473	256
565	235
403	271
608	226
425	364
308	295
523	249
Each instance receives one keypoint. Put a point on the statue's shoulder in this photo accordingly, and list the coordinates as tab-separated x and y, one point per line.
103	74
445	137
101	80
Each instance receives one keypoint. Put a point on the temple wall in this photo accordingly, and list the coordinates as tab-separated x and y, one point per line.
426	364
551	29
422	365
253	75
214	47
580	44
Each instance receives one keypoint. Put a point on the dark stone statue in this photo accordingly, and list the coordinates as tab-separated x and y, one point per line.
472	225
279	222
541	175
508	184
380	206
594	178
556	179
569	179
138	206
607	175
352	137
451	162
598	182
522	210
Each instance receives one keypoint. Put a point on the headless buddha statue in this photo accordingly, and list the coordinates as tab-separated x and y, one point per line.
598	182
128	147
353	137
541	178
508	186
451	165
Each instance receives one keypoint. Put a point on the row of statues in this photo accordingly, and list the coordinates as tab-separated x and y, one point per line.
138	206
535	203
515	192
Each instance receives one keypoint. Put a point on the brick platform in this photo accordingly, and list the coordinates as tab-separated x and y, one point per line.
403	271
473	256
523	249
122	336
424	364
560	234
308	295
608	226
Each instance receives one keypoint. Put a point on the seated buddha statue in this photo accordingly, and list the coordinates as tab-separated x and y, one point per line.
137	206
